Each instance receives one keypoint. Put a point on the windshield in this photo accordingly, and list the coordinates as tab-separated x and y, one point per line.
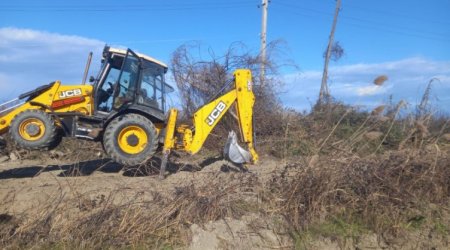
111	69
126	84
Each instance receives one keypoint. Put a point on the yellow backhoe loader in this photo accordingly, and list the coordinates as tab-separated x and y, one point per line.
125	109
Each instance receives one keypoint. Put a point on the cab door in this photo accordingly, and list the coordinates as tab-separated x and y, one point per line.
126	85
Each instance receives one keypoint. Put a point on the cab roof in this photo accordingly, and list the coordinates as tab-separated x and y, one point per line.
145	57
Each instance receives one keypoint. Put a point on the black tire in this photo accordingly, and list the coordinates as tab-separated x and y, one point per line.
43	139
115	129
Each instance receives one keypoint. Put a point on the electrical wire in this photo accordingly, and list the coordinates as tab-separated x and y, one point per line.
343	16
125	7
390	13
366	24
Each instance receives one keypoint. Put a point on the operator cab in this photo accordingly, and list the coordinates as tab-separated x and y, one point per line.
130	80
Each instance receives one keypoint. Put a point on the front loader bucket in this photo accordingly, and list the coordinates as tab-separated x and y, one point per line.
235	153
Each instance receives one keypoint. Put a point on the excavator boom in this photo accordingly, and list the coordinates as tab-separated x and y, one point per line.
208	116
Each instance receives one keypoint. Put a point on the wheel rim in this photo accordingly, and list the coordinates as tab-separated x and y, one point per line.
132	139
32	129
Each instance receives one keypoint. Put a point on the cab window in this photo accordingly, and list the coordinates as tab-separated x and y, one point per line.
151	88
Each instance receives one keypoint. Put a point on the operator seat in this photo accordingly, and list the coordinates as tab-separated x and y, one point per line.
148	100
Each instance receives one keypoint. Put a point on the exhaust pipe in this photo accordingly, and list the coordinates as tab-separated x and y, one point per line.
86	69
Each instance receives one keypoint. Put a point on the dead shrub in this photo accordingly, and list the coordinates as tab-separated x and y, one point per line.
373	135
369	189
446	137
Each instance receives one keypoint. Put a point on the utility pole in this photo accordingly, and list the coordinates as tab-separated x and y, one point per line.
324	94
264	5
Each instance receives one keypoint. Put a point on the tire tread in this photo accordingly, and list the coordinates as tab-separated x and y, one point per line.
49	140
113	151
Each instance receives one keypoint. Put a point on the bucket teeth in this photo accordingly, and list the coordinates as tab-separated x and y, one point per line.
235	153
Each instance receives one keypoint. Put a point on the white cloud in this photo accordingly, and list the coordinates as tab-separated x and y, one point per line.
30	58
353	84
369	90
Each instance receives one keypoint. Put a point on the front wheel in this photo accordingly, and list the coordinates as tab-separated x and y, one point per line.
34	129
130	139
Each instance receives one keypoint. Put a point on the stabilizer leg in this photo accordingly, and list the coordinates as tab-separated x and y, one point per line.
164	160
169	141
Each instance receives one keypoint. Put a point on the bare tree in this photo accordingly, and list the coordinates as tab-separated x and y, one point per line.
324	94
200	80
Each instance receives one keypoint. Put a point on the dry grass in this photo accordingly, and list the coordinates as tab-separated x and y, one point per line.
343	166
86	223
446	137
373	135
381	191
378	110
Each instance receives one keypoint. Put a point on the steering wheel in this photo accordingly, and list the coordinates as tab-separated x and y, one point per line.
112	86
121	85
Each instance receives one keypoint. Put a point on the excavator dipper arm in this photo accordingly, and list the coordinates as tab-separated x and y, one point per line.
208	116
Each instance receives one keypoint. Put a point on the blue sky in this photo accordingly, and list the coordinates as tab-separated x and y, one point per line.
44	40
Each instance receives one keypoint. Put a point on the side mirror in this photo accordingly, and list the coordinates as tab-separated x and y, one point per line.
91	79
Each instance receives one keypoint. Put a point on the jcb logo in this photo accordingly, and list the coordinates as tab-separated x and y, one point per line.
215	113
69	93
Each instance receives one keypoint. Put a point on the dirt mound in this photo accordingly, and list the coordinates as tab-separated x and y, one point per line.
249	232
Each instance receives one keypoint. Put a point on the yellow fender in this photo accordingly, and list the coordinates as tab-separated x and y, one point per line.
75	98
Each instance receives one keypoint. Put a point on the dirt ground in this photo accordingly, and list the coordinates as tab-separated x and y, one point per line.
27	184
29	188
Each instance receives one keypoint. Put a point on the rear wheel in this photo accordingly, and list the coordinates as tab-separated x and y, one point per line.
34	129
130	139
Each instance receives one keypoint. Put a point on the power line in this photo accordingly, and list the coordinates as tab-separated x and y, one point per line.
361	20
397	14
127	7
391	13
367	24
